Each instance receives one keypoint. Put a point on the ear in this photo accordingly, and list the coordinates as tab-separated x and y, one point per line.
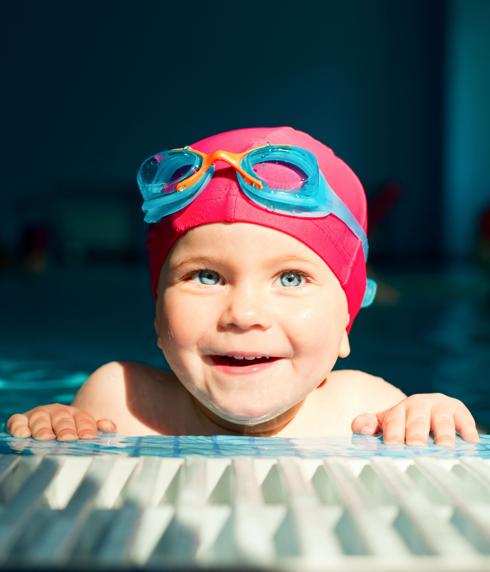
344	349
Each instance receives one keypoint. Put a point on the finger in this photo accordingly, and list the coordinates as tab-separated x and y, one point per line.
86	426
417	426
18	426
366	423
442	426
393	425
106	425
63	424
465	424
40	425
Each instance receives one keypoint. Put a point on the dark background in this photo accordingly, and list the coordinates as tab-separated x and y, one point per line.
399	89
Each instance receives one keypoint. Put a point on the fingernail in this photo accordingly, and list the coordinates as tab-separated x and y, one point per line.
67	437
45	436
367	429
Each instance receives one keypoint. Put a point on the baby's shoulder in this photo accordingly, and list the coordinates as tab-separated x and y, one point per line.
120	377
346	394
360	386
354	376
118	371
118	388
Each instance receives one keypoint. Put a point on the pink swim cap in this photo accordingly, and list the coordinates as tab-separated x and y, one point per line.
223	201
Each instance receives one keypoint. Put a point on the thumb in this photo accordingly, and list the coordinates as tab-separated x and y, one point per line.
366	423
106	425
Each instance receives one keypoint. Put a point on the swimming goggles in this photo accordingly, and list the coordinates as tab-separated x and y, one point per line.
171	180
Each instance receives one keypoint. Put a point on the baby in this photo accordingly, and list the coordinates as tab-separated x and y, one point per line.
257	251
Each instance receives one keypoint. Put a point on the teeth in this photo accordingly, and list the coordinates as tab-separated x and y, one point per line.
249	357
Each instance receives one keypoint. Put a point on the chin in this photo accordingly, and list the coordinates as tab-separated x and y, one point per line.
246	415
249	415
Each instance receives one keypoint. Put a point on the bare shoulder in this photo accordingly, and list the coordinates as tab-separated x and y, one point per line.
125	393
118	371
370	391
110	380
331	409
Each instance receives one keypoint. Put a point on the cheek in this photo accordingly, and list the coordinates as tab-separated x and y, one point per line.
317	329
182	322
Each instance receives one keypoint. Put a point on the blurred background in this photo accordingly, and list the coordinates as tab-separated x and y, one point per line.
400	90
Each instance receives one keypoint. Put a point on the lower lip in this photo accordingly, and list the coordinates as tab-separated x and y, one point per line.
244	369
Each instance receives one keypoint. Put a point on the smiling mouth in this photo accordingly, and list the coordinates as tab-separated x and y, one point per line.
231	361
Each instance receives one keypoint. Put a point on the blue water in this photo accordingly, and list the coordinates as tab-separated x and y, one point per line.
57	327
359	446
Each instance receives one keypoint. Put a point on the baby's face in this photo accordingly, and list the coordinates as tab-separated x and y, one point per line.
241	289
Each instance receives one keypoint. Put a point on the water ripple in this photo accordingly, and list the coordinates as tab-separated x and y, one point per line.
359	446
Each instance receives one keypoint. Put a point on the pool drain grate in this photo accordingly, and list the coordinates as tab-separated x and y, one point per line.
266	513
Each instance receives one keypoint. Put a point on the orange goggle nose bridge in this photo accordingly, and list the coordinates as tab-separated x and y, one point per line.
233	159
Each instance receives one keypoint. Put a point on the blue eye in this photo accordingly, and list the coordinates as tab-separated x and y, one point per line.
207	277
292	278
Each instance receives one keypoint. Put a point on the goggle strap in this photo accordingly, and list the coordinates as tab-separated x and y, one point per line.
208	161
340	209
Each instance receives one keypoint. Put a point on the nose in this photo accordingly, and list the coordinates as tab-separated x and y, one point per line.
245	308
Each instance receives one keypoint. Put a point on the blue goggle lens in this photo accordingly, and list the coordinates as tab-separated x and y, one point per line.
281	175
162	172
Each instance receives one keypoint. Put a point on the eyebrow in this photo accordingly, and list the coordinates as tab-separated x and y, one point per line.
217	260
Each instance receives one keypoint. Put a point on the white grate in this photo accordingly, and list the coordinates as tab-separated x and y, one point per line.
271	513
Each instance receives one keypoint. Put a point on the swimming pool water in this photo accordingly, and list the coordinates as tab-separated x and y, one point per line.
57	327
356	446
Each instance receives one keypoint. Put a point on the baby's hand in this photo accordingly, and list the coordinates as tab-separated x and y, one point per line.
56	421
411	420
